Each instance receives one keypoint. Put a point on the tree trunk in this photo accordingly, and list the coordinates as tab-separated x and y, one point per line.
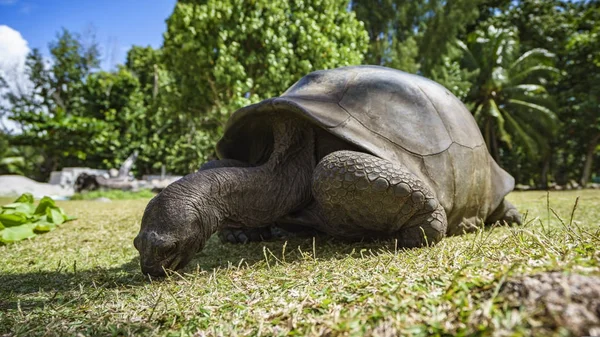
589	160
494	150
545	169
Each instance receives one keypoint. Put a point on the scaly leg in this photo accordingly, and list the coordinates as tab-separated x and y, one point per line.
361	195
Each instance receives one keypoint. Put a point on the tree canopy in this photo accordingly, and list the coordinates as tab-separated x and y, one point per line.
527	69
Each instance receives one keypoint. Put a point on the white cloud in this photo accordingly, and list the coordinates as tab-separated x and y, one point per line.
13	53
13	48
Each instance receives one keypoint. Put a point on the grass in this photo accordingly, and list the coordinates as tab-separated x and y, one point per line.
84	279
114	195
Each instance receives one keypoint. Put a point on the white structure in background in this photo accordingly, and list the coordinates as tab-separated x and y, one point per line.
67	177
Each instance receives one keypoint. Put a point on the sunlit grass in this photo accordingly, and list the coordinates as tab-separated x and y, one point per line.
114	195
84	278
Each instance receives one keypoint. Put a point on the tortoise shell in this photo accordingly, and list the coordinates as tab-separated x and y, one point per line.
404	118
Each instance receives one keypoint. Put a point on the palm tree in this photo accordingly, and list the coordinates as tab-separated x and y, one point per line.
508	97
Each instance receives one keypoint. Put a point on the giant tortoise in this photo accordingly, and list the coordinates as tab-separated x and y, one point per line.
356	152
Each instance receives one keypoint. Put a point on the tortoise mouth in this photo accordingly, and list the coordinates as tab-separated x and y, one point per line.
163	267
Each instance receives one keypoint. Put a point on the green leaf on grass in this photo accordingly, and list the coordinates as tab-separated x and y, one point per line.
44	226
14	219
18	233
44	204
26	198
21	207
54	215
22	219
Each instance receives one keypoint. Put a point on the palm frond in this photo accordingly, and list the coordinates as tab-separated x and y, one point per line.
517	77
527	89
523	138
541	124
468	60
534	55
542	112
546	101
540	139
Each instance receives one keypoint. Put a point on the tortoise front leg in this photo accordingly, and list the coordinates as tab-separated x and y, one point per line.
361	195
234	232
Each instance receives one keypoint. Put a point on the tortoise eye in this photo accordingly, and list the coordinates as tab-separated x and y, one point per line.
169	249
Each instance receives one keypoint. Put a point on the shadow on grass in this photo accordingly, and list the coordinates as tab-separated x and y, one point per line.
55	284
65	279
289	250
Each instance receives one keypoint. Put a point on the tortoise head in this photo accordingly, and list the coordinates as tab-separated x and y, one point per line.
170	233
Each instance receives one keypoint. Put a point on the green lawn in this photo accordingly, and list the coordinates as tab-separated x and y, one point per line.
84	278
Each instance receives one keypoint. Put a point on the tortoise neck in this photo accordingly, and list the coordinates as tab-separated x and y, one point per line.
256	196
260	195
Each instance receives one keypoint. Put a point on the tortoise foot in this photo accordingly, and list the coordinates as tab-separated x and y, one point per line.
506	213
245	235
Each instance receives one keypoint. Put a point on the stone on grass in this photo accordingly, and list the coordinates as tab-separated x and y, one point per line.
558	300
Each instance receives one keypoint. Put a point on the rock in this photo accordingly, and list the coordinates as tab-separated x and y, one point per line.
558	300
15	185
521	187
573	184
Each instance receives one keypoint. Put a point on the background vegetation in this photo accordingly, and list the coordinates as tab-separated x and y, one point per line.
527	69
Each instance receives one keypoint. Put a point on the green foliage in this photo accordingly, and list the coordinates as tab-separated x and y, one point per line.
22	220
580	89
452	75
392	27
114	195
11	162
76	116
563	27
227	54
414	36
114	100
51	114
508	98
162	124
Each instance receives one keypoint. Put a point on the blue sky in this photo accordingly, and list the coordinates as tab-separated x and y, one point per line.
117	24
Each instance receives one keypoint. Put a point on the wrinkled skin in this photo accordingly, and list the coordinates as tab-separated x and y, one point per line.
168	247
178	222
